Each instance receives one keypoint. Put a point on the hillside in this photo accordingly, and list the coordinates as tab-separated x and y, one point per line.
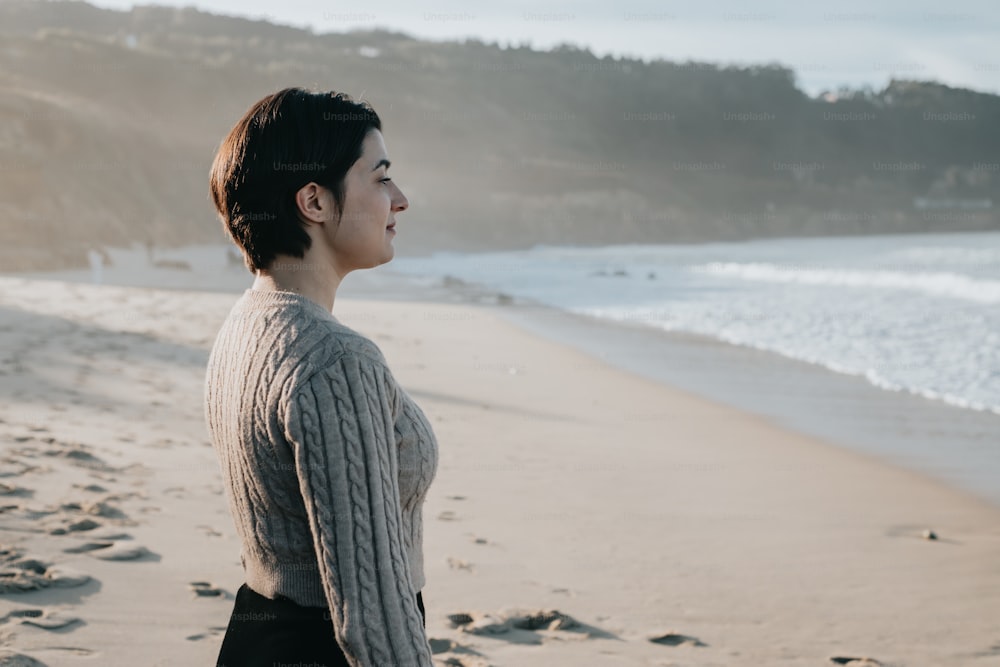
109	121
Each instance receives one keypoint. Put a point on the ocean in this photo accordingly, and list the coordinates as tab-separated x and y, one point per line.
908	313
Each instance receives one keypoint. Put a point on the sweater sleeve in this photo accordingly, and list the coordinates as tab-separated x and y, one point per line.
340	425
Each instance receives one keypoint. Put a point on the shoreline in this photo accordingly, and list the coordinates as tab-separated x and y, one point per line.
947	443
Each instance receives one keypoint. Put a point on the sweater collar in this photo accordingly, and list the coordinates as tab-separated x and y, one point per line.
284	297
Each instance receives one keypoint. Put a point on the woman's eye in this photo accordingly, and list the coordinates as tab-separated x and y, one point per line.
385	180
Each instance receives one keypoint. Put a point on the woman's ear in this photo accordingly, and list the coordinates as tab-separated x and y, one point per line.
313	203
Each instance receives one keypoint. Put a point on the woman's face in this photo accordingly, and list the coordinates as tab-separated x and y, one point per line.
363	238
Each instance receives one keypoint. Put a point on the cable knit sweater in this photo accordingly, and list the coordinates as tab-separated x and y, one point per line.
326	462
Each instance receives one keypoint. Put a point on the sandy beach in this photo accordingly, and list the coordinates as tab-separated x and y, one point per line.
581	514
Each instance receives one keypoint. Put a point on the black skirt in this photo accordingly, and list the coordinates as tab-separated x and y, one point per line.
262	632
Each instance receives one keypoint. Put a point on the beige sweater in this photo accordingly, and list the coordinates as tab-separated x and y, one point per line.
326	462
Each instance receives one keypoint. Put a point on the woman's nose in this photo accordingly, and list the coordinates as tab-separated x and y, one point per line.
399	201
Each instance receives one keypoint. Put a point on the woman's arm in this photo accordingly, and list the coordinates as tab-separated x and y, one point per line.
340	424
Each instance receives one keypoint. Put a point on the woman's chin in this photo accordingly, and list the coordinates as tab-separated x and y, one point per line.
388	255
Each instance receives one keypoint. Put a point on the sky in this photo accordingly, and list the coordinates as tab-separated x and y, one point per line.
850	43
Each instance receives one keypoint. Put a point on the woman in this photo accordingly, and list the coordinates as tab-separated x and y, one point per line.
326	459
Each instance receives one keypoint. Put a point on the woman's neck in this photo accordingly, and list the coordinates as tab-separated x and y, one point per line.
314	280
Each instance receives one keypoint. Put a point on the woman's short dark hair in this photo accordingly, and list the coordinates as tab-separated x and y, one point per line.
286	140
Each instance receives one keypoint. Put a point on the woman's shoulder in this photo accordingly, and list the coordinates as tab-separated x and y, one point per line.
345	341
349	365
337	345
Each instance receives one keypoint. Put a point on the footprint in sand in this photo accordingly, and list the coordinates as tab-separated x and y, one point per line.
110	536
547	620
107	546
447	515
11	659
60	576
93	488
455	661
79	456
95	508
855	662
441	645
122	552
459	564
80	526
92	511
14	491
208	634
460	618
676	639
467	657
87	546
489	624
204	589
12	467
522	627
45	619
21	575
25	512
